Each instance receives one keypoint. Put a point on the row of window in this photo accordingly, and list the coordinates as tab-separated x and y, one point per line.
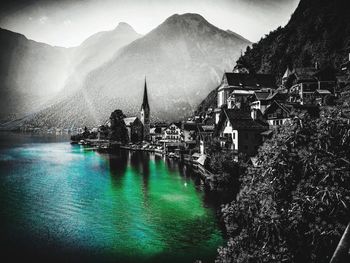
172	132
172	137
276	114
277	122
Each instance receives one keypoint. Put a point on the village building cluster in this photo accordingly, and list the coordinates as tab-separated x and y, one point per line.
250	106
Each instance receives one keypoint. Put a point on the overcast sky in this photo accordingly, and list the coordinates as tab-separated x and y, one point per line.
69	22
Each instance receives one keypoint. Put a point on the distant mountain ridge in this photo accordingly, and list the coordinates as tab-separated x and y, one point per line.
32	73
183	58
26	81
94	52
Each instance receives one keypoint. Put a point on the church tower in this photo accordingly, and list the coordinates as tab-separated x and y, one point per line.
145	114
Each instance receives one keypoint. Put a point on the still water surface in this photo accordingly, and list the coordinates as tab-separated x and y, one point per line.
79	204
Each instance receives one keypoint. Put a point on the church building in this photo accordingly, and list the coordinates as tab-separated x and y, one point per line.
145	115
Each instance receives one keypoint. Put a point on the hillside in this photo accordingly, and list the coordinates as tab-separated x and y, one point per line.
318	31
94	52
30	73
182	58
34	75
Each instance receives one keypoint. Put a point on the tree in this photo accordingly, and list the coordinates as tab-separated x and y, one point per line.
226	169
293	207
118	131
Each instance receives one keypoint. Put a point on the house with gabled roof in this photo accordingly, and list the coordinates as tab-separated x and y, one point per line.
173	133
237	87
259	100
239	132
277	114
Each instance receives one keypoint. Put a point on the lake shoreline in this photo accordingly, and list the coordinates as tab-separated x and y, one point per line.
126	206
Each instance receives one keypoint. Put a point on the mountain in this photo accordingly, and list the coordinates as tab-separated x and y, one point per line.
95	51
318	31
30	73
33	75
183	58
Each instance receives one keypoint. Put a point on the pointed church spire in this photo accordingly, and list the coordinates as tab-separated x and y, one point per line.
287	73
145	97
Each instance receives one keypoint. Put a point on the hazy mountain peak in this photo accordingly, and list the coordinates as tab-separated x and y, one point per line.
192	23
189	18
123	27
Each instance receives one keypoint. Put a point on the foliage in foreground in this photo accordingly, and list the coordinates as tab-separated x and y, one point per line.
294	206
225	169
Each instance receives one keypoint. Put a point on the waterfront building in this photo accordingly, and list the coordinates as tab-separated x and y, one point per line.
145	114
172	137
173	133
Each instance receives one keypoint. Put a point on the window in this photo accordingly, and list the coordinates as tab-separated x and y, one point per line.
233	135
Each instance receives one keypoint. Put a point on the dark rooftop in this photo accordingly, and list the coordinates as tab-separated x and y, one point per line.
240	119
250	81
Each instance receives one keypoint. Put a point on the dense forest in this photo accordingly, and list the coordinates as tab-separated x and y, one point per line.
318	31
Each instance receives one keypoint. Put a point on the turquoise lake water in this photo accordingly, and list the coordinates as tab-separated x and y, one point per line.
68	202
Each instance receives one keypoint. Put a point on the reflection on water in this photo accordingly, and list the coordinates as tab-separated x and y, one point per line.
73	202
